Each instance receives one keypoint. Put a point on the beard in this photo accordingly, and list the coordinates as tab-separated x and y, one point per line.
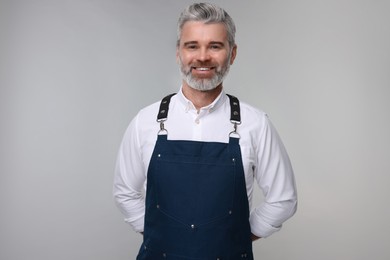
204	84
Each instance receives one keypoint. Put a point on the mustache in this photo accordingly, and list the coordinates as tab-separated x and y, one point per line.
201	64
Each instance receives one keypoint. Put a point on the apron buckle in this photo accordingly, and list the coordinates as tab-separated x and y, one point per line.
162	127
234	132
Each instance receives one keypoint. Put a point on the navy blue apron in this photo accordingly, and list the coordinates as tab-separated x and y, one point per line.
196	199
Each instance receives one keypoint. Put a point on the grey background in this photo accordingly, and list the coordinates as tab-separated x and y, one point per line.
74	73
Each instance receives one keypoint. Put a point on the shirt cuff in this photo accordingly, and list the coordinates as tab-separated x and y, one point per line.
136	223
260	228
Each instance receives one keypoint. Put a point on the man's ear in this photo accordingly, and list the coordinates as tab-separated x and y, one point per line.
177	54
233	54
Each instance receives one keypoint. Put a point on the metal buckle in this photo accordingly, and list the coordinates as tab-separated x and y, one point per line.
162	127
234	132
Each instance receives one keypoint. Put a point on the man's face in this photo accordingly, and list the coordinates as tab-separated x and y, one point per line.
204	55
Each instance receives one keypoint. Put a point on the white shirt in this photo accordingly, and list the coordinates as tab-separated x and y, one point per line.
264	158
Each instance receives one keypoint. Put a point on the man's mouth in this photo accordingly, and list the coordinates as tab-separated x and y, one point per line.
203	68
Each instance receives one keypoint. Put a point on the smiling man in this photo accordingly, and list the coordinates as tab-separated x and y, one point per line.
187	165
204	54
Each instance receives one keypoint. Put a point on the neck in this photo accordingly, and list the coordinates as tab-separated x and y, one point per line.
201	98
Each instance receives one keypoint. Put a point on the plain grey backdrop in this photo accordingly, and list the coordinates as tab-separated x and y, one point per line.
74	73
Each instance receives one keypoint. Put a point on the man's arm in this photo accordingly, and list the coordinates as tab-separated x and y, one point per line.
130	179
275	177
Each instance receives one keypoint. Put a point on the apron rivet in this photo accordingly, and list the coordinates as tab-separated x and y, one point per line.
158	206
192	226
158	155
234	159
230	212
164	255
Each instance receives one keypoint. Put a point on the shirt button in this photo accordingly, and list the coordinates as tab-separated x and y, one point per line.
197	121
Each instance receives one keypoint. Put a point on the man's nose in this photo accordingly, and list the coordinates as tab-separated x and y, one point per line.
203	54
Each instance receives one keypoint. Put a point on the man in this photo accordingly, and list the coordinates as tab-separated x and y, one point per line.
186	180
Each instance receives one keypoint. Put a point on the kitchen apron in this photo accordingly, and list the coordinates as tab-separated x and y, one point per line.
196	199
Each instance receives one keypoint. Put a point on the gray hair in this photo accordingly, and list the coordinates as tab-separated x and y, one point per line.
207	13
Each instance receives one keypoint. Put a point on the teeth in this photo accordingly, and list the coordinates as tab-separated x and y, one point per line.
203	69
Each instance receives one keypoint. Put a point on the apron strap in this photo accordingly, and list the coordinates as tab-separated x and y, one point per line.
164	107
235	115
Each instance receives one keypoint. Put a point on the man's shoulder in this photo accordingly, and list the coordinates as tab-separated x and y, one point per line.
249	111
147	116
149	111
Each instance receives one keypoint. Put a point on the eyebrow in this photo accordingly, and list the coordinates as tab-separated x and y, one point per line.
219	43
190	42
195	42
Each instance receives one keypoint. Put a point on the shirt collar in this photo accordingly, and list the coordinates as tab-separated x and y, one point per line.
188	105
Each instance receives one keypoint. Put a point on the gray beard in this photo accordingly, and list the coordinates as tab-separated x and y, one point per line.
205	84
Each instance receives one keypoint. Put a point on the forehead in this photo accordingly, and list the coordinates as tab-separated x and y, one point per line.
199	31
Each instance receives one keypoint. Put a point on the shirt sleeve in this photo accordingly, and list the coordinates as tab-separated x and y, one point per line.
129	179
275	177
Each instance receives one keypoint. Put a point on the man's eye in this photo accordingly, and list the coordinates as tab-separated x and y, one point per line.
215	47
191	47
